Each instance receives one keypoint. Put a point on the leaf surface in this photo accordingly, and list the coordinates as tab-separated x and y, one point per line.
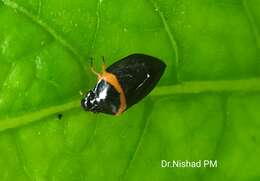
205	107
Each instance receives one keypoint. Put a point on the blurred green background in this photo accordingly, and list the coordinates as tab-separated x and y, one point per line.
45	46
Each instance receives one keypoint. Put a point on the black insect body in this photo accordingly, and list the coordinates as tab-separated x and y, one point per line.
123	84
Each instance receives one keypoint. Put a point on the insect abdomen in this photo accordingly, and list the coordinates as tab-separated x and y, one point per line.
138	74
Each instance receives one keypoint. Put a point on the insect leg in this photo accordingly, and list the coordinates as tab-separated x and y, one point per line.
92	69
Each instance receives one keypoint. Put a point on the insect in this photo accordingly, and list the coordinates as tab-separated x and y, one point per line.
123	84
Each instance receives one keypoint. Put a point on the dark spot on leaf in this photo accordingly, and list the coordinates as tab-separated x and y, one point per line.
60	116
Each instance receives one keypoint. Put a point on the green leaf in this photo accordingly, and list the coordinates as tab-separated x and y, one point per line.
206	106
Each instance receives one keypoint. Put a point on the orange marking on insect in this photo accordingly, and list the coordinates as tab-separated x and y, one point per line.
111	78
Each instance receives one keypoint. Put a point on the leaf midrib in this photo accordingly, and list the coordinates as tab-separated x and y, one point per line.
194	87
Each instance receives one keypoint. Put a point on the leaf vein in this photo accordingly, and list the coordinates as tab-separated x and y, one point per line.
21	157
252	22
167	30
139	141
47	28
98	17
